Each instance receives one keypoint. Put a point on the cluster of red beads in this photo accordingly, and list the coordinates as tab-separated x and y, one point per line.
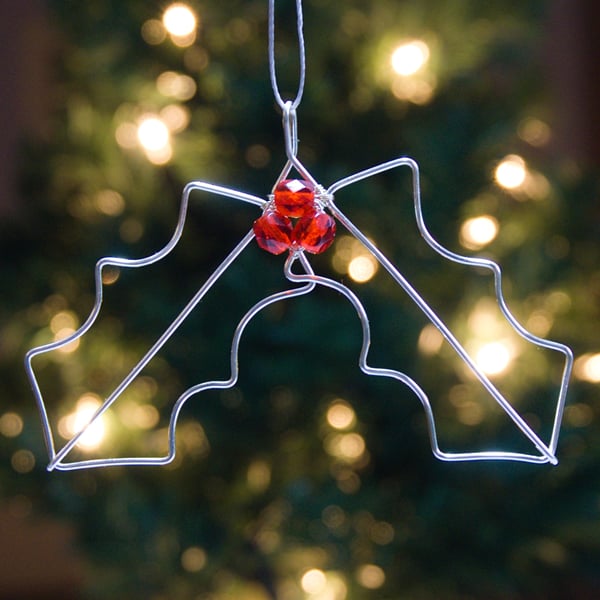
313	231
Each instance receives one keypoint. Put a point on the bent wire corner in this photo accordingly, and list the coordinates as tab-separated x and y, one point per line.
56	457
547	451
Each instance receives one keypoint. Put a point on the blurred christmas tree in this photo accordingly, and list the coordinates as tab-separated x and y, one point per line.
307	480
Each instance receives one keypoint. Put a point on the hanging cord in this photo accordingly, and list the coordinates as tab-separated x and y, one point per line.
272	71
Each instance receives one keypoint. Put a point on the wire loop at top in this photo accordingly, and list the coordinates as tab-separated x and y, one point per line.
272	71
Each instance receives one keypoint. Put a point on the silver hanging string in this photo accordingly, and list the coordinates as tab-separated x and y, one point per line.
301	55
290	134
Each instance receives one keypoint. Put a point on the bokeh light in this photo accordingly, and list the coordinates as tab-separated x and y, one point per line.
494	358
587	368
430	340
193	559
417	91
176	85
340	415
347	480
470	413
258	156
126	135
370	576
352	446
477	232
175	117
348	447
579	415
11	424
80	419
153	32
362	268
131	230
181	23
22	461
145	416
534	131
153	134
258	475
179	19
352	258
382	532
63	323
536	186
321	585
63	334
109	203
334	517
155	138
192	440
540	322
409	57
110	274
313	581
511	172
63	319
412	82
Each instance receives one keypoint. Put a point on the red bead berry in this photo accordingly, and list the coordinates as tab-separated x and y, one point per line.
315	234
273	232
295	198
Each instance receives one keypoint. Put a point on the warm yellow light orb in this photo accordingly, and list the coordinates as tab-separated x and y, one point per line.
370	576
63	334
23	461
534	132
153	134
511	172
587	368
176	85
314	581
175	117
126	135
81	419
179	20
65	319
109	202
478	232
362	268
410	57
493	358
11	424
193	559
351	446
340	415
430	340
153	32
259	475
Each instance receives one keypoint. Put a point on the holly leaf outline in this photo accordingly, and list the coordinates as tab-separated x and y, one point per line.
546	451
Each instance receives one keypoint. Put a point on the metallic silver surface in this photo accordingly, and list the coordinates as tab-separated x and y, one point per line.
307	280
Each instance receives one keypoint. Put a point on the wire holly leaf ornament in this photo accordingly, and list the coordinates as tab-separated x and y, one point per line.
300	216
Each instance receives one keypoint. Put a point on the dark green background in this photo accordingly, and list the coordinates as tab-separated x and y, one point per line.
478	530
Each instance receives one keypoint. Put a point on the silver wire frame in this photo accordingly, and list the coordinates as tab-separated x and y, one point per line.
546	452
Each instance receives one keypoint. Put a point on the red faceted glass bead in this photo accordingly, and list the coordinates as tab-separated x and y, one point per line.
315	234
295	198
273	232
